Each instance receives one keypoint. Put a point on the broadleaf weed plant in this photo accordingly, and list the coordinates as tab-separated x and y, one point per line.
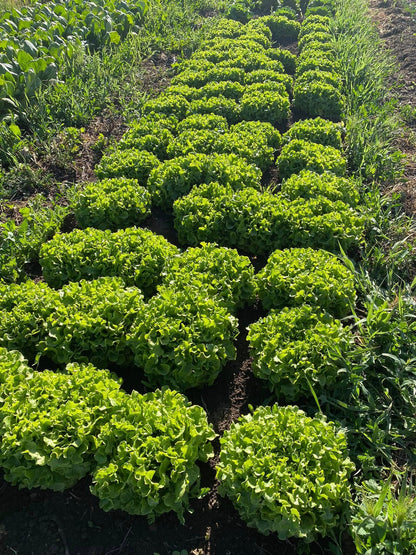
384	519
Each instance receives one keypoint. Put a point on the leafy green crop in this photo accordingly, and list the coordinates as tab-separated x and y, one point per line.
286	473
301	155
269	76
284	30
308	184
111	203
168	105
296	349
265	106
254	149
14	369
228	108
203	121
134	254
147	455
175	178
129	163
221	271
260	222
23	309
49	424
91	322
316	130
182	338
314	98
296	276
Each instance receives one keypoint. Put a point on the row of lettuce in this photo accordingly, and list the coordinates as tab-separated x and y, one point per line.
121	295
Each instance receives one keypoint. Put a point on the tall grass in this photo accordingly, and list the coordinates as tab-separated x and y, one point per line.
371	120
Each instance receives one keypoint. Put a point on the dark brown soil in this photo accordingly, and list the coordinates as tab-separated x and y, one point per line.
71	523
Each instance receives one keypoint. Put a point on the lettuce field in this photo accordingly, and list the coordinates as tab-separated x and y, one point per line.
207	277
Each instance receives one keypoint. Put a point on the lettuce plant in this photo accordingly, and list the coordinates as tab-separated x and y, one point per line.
322	39
111	203
314	98
134	254
219	105
284	57
223	272
265	106
284	30
298	348
91	322
182	338
23	309
146	462
175	178
14	370
251	147
203	121
168	105
316	130
130	163
310	185
50	423
319	76
249	220
286	473
267	75
296	276
301	155
198	77
155	142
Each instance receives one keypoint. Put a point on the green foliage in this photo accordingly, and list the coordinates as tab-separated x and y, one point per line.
313	99
248	220
316	130
265	105
301	155
183	338
130	163
258	223
175	178
110	203
284	30
146	462
23	309
318	76
198	78
296	349
169	105
252	148
134	254
302	275
308	184
222	272
286	473
90	323
371	116
316	39
285	58
20	242
316	61
156	141
203	121
384	522
219	105
375	400
269	76
49	423
14	369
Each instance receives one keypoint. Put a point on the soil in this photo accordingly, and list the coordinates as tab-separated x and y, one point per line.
38	522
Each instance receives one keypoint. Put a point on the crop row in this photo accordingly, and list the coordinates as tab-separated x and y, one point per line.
202	149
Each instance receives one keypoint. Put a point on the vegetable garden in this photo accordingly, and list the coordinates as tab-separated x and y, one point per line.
207	311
